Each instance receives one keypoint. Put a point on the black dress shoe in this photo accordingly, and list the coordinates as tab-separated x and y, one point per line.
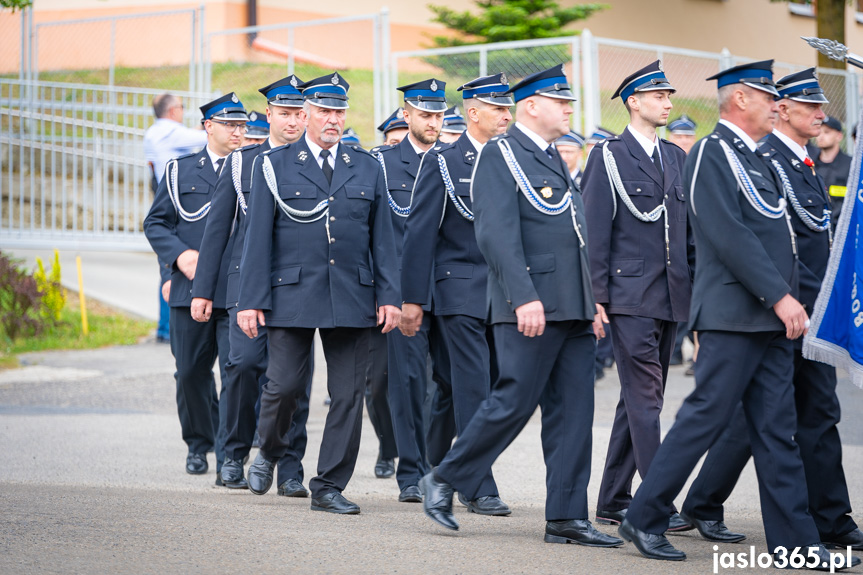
437	501
650	545
826	561
334	502
489	505
411	494
714	530
676	524
261	474
578	531
219	482
606	517
852	539
232	475
292	488
196	464
385	468
462	499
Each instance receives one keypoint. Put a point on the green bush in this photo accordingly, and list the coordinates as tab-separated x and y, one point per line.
20	301
53	294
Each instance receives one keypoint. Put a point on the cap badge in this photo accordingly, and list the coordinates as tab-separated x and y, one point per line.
234	98
562	70
503	79
546	192
253	116
659	65
335	79
302	155
433	86
294	81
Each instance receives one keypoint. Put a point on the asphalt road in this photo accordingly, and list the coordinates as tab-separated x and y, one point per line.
92	481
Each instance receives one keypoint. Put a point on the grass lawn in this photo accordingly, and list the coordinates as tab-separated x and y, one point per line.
107	327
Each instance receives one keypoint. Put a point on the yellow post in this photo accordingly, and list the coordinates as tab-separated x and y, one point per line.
84	327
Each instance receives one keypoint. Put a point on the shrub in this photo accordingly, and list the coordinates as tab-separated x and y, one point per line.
20	301
53	294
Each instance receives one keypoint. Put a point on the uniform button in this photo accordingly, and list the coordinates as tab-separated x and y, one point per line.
403	185
810	201
761	298
280	280
448	273
332	218
332	199
618	271
528	268
363	193
193	187
236	267
332	262
296	193
332	240
666	196
637	189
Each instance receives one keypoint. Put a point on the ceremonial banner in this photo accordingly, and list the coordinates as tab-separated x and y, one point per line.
836	332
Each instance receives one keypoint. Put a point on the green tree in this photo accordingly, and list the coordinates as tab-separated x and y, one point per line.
507	20
16	4
830	24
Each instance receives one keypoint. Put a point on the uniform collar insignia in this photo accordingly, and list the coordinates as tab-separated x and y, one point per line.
795	162
468	154
201	162
302	155
346	157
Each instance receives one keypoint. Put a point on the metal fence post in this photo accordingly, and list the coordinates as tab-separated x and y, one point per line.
386	86
192	53
576	86
483	61
206	79
111	52
852	107
591	86
290	50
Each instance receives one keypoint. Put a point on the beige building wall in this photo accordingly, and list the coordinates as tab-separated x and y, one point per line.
750	28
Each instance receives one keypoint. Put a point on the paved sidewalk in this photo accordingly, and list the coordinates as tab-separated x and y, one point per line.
92	481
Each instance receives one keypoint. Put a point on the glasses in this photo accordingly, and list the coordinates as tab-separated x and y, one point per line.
232	127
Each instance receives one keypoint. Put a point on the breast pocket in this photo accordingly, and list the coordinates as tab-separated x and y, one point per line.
452	283
359	200
812	201
681	208
194	196
549	187
401	190
636	188
299	196
462	190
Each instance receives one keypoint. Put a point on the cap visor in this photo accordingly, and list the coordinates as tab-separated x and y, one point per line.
559	95
230	116
811	99
497	100
329	103
426	106
764	88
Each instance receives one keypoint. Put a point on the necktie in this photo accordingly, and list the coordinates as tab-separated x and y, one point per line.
219	164
326	167
552	153
657	162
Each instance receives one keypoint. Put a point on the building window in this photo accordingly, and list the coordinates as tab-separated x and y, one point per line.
803	8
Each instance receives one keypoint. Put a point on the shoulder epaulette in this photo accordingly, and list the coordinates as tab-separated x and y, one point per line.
249	147
271	150
382	148
670	143
184	156
360	149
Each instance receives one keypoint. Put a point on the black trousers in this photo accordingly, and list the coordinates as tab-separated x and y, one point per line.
556	372
346	351
470	379
246	368
757	369
642	350
818	412
196	346
377	395
408	385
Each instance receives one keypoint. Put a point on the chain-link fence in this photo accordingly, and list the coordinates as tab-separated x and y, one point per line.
461	64
12	37
243	60
153	49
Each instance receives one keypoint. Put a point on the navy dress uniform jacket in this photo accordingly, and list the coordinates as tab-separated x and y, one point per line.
170	235
225	233
813	247
402	164
444	254
291	270
631	274
530	254
745	261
